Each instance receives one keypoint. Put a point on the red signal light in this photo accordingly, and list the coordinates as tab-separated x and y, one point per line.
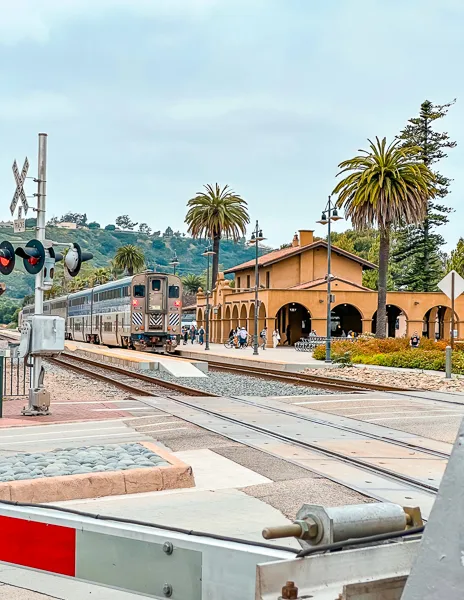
135	302
177	303
32	260
4	261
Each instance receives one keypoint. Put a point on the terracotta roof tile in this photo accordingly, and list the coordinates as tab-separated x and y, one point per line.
277	255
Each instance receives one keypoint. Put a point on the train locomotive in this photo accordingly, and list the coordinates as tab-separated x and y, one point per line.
143	312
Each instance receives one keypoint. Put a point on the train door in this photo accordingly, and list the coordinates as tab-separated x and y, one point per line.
157	303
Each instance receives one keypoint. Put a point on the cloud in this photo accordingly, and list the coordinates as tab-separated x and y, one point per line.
34	20
37	105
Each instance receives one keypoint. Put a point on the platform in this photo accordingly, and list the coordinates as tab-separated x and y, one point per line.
283	358
140	360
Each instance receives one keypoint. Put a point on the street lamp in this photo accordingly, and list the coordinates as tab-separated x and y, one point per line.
329	214
207	253
174	263
256	237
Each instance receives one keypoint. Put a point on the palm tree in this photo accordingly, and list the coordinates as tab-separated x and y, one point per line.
129	258
214	214
100	276
386	186
192	282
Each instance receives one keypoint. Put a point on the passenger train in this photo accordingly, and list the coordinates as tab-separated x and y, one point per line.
143	312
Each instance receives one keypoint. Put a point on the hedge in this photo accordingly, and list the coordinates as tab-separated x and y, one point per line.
391	352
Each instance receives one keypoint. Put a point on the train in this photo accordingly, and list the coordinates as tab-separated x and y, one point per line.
141	312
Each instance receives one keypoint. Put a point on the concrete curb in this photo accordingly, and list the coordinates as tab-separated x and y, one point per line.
109	483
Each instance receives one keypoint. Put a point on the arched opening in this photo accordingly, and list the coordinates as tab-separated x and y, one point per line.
396	321
243	316
251	319
200	322
293	322
345	318
262	320
234	323
437	323
227	324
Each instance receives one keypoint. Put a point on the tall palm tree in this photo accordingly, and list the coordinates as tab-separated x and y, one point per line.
129	258
216	213
387	186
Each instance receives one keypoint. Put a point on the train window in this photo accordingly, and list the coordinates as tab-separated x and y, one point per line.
139	291
156	285
108	326
174	291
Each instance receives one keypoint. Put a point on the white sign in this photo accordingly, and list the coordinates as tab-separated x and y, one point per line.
19	225
19	194
445	284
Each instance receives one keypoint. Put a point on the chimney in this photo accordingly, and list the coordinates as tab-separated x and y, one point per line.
306	237
295	241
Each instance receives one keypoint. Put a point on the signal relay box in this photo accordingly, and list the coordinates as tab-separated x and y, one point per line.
42	335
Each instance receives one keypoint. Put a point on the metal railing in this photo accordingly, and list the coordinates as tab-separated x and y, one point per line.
15	373
309	344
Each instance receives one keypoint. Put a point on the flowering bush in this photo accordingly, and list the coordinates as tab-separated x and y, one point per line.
394	352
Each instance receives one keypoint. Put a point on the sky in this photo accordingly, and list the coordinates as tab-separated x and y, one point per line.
144	101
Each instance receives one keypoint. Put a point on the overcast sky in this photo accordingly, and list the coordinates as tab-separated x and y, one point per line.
145	101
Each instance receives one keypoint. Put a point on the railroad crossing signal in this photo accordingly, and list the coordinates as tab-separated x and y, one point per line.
19	194
74	259
33	255
7	258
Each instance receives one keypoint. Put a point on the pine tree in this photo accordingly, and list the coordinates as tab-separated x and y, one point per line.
418	251
456	260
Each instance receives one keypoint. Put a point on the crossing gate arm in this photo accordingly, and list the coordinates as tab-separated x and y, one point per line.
135	558
363	573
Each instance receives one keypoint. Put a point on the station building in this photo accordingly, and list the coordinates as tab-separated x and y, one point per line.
293	297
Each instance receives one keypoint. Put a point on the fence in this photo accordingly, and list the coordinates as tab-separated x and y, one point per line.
308	344
15	373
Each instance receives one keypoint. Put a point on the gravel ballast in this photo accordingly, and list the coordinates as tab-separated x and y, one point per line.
229	384
77	461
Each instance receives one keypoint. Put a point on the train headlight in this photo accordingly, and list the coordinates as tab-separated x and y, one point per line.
136	329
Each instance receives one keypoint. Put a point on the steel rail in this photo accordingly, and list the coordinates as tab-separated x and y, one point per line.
415	483
177	387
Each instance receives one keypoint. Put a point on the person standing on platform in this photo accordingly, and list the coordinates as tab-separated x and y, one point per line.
275	338
185	335
263	336
201	335
192	333
242	337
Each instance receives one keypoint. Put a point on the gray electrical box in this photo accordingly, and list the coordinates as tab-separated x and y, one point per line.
46	335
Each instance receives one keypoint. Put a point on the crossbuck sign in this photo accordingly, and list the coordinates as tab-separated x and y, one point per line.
19	194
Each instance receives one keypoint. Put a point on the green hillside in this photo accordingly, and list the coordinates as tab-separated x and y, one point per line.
103	244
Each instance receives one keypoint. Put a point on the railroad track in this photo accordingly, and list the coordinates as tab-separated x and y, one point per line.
413	482
128	381
122	378
330	383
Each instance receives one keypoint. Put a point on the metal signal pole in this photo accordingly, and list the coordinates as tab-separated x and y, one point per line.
36	376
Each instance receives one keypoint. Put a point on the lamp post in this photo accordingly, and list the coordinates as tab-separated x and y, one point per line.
207	253
329	214
174	263
256	237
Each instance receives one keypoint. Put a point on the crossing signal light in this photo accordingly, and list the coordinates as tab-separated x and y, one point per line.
74	259
51	258
7	258
33	255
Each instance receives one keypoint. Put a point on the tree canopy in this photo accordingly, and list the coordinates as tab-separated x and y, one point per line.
384	186
217	213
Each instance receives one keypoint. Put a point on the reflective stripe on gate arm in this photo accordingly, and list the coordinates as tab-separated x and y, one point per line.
38	545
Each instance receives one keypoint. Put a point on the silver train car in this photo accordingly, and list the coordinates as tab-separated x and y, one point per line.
143	312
